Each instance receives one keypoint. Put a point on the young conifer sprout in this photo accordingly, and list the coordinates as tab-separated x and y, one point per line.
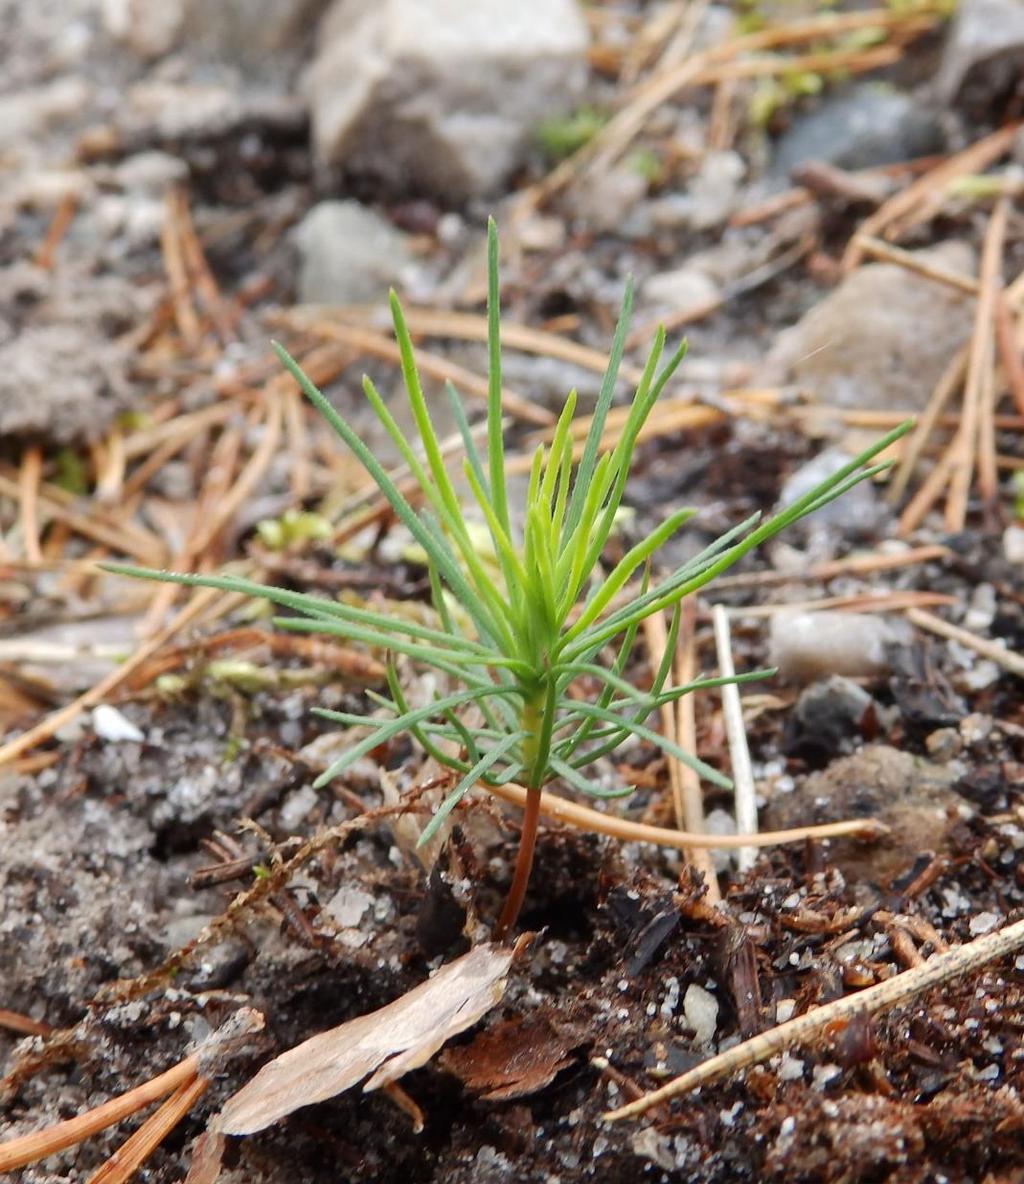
543	613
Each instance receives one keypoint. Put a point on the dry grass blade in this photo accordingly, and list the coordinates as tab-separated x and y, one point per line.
382	1045
940	968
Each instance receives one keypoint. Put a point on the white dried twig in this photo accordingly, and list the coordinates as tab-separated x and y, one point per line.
739	752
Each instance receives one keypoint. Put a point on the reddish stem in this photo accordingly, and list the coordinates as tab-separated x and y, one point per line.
524	863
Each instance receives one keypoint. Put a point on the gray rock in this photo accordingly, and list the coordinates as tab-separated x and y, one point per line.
808	646
881	339
262	35
984	56
684	287
913	797
856	513
828	716
442	95
862	128
58	381
350	255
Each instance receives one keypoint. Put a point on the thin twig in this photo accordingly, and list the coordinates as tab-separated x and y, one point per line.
940	968
739	752
1007	658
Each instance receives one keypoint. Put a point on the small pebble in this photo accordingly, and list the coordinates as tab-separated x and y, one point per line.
110	724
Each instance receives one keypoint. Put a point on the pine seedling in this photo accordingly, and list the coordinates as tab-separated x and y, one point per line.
546	615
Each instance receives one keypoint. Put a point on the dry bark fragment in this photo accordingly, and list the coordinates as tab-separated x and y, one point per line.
383	1045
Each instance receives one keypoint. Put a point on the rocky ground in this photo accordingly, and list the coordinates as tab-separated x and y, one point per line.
831	213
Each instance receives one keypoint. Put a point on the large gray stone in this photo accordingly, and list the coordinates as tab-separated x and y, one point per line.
983	60
881	339
260	35
442	95
863	128
349	254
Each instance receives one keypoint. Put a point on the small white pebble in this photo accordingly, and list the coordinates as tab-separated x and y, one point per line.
784	1010
110	724
984	923
701	1010
824	1075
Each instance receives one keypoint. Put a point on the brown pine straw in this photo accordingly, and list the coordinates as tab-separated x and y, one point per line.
862	602
914	204
1002	656
52	723
584	818
16	1153
975	439
97	524
28	480
868	564
615	137
948	384
197	265
679	724
110	469
185	316
378	345
878	249
939	969
137	1148
1009	351
14	1021
459	326
60	223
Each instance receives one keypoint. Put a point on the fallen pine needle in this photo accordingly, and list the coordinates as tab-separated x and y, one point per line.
583	818
1007	658
200	1065
940	968
137	1148
680	725
28	1148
